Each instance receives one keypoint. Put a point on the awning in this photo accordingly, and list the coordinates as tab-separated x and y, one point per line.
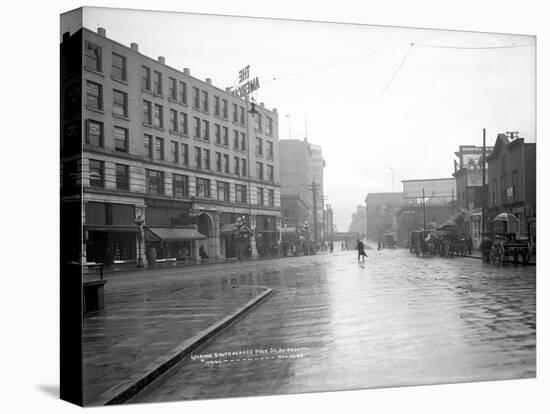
172	234
115	229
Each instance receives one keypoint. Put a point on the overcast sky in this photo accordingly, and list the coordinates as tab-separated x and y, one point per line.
372	101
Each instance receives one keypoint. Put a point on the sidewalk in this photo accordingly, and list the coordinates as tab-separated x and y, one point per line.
476	254
150	322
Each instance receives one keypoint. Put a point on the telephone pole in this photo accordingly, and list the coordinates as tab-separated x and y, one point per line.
315	218
484	191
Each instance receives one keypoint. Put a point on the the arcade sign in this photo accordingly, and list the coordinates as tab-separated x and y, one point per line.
246	85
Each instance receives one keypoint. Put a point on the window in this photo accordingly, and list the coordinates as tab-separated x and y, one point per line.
157	83
260	196
93	57
173	89
173	120
206	163
269	126
235	139
94	133
243	167
503	187
147	112
159	149
146	78
270	173
235	112
96	173
197	127
205	101
503	164
155	181
218	133
243	141
224	108
185	154
206	130
218	162
118	67
242	115
158	118
148	145
183	123
121	139
122	177
236	165
223	191
271	198
225	136
269	149
240	193
515	184
258	122
259	171
94	95
203	187
174	152
196	98
217	105
226	163
259	146
120	103
494	187
198	157
183	93
180	185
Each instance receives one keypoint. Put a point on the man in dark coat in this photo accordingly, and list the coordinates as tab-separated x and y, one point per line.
361	250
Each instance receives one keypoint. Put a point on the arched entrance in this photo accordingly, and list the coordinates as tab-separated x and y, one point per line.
206	225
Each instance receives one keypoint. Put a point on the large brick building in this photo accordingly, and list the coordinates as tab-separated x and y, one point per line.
143	139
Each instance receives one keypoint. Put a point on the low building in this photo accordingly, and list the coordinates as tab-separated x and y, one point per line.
381	213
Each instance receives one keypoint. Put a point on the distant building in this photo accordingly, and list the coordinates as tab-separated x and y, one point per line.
435	190
359	221
512	182
381	213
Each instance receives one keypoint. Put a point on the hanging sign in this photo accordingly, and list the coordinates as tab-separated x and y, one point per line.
246	85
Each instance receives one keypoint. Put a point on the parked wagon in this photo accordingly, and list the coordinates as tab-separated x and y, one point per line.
506	245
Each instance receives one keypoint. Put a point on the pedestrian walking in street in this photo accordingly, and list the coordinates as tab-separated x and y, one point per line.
361	250
331	246
202	253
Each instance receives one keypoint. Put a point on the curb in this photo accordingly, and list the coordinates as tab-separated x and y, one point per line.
524	264
127	389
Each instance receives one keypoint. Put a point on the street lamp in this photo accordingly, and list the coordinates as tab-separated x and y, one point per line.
306	228
241	223
139	223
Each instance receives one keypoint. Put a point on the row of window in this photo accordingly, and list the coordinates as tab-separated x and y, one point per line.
152	81
154	181
155	150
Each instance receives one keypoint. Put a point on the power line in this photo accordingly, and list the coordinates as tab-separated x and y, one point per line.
513	45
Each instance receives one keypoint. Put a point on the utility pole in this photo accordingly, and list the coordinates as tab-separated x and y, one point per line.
484	191
315	218
452	201
424	208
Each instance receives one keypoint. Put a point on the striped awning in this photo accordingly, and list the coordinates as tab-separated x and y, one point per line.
172	234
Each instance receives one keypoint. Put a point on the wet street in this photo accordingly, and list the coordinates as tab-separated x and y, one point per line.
334	324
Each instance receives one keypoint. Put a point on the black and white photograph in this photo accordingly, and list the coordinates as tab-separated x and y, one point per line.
274	206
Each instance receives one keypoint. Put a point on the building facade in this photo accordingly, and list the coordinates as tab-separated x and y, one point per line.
381	213
165	149
359	221
512	183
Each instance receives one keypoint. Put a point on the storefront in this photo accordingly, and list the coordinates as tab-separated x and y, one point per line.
267	235
234	241
110	232
174	243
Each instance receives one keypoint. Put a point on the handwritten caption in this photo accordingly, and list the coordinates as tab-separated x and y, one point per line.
254	354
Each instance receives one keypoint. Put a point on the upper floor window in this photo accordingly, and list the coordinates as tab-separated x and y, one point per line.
218	133
270	173
183	123
148	145
155	181
235	112
240	193
241	111
206	130
223	191
260	196
269	126
198	157
97	173
226	163
157	83
183	93
258	122
236	139
243	167
147	112
185	154
259	146
159	149
269	149
180	185
173	120
226	136
94	95
122	173
205	101
93	57
173	89
243	141
236	165
206	163
197	131
203	187
271	198
119	67
158	118
218	162
146	78
259	171
196	98
121	139
224	108
94	133
174	152
120	103
217	106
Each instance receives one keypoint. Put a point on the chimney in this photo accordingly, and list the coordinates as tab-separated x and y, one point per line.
262	104
208	81
101	31
134	47
186	71
228	89
274	110
161	60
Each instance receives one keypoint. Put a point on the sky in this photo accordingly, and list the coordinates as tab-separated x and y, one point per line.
383	110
